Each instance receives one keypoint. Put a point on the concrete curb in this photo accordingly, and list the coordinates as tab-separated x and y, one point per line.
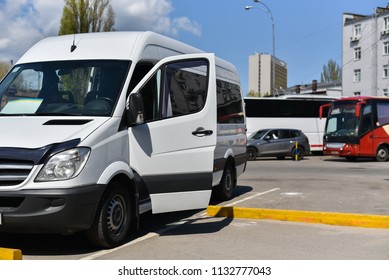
340	219
10	254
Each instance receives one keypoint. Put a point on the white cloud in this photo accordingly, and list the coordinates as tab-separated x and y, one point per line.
151	15
24	22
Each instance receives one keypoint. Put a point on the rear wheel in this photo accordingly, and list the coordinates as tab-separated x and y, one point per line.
113	218
382	154
227	184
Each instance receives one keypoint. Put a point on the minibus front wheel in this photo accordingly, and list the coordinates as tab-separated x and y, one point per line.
113	217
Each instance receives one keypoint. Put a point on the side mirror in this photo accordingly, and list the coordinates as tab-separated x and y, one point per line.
322	108
358	108
134	108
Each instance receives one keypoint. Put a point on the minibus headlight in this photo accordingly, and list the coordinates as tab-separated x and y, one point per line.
65	165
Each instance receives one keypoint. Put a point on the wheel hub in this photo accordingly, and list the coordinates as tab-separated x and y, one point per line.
115	214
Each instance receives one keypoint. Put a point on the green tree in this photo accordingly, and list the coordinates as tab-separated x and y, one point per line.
4	67
331	72
83	16
253	93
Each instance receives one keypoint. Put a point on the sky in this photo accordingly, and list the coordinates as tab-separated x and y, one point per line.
307	32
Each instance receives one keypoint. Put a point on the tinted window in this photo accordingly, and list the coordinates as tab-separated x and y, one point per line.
283	134
175	89
295	133
186	83
284	108
229	103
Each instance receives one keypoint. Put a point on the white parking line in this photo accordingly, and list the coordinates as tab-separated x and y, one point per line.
251	197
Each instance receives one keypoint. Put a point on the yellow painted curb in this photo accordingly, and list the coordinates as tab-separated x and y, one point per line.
10	254
341	219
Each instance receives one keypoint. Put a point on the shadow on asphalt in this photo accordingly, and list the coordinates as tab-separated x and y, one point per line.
77	244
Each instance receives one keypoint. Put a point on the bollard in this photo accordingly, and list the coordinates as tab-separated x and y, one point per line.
296	157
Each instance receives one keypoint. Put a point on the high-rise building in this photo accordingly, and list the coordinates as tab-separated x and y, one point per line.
261	75
365	53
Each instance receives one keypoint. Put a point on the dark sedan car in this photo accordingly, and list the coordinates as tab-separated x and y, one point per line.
278	143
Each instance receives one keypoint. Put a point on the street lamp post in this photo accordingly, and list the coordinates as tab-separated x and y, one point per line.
274	43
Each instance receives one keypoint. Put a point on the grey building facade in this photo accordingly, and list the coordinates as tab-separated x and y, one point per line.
365	54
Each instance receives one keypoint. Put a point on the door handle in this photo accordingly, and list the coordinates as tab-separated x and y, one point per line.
200	132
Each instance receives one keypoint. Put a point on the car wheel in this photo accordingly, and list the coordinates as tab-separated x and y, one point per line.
224	190
113	218
382	154
298	153
251	153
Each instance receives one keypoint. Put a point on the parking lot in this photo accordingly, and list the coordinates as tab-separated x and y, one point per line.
316	184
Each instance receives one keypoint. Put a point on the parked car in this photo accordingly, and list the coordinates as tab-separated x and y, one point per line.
279	143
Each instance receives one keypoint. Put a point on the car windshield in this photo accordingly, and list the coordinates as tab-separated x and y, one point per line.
259	134
82	88
342	120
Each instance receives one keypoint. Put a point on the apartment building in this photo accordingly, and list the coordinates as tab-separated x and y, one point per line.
365	49
261	75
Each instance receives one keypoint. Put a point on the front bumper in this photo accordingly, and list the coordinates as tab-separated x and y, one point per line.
53	210
341	149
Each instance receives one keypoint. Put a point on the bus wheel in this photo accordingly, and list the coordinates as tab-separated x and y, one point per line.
227	184
298	153
382	154
113	218
351	158
251	153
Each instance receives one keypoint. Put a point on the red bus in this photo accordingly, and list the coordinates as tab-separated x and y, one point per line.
357	127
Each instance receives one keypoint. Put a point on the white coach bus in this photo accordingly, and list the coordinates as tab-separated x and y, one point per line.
289	111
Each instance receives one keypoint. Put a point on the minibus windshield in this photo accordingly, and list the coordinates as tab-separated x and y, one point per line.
82	88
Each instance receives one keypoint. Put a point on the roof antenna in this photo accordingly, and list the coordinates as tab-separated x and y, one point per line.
73	46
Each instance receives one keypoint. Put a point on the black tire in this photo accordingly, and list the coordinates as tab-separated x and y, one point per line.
382	154
299	152
251	153
112	222
351	158
224	191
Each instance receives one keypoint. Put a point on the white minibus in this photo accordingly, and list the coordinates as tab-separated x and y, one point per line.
99	128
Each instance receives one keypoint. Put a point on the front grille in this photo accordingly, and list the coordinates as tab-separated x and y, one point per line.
14	172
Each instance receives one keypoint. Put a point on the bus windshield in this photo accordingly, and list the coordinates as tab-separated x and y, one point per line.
81	88
342	120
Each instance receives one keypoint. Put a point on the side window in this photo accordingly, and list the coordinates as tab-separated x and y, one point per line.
284	134
185	87
175	89
295	133
273	134
229	103
382	114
